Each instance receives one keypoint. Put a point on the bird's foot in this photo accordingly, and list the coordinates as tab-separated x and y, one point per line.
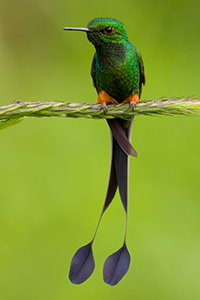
132	105
104	106
132	100
104	99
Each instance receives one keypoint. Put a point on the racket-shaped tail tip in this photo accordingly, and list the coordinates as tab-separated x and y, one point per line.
82	265
116	266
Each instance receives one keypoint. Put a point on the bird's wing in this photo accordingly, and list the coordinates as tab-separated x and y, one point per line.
142	72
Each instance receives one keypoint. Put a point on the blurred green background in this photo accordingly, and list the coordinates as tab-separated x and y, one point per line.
54	172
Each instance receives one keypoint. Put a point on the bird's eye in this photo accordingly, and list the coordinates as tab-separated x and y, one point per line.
108	30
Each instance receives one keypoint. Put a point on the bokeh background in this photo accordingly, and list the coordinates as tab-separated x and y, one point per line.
54	172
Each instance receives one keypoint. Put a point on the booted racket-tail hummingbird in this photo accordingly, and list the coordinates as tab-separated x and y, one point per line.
118	76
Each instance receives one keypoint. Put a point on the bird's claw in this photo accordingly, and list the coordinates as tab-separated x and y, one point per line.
132	105
104	106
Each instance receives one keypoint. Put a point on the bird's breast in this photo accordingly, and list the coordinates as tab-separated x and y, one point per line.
117	70
116	77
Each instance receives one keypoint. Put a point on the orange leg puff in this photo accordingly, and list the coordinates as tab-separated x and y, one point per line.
103	98
132	98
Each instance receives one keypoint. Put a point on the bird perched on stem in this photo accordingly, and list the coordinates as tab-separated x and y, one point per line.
118	75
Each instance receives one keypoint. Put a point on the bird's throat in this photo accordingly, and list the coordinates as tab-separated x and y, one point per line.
111	53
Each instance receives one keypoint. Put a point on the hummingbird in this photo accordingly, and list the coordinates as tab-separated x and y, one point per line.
118	76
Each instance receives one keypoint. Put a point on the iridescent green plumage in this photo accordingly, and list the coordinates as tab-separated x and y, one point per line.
117	65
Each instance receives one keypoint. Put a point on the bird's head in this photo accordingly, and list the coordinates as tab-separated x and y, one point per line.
106	30
101	31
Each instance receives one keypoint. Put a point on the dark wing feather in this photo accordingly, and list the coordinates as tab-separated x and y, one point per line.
142	72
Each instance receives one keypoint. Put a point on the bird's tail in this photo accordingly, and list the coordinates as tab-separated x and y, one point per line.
117	264
119	167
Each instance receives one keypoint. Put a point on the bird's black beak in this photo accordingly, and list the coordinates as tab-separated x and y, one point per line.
78	29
